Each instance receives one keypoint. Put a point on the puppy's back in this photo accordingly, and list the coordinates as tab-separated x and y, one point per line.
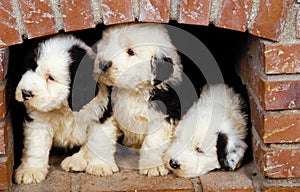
227	97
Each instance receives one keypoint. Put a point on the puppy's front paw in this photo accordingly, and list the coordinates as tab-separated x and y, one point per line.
155	171
75	162
28	175
101	168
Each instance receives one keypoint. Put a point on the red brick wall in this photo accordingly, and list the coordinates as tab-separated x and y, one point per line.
271	73
35	18
274	101
6	139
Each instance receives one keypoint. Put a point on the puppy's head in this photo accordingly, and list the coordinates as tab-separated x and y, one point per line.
135	55
46	83
206	139
193	151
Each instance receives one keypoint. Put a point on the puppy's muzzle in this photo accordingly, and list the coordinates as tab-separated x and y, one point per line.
26	94
104	66
173	164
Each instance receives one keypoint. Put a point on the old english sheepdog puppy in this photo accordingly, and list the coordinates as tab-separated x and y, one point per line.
142	64
44	89
210	135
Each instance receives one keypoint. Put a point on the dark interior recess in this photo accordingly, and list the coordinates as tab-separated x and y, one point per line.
227	47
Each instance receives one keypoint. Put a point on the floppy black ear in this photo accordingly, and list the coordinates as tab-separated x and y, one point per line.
162	68
76	54
32	53
164	98
221	150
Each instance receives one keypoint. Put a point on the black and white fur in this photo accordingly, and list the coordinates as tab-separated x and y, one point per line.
210	135
44	89
142	64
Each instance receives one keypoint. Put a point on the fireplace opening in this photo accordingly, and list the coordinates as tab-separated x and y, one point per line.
227	47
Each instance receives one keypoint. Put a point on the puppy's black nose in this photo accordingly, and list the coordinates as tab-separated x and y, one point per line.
174	164
106	66
26	94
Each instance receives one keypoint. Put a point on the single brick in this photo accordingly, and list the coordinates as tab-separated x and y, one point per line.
57	180
9	30
38	18
132	181
270	19
3	63
274	58
280	58
276	188
5	134
254	56
3	102
234	14
77	15
275	127
194	12
276	161
251	79
6	167
276	95
236	181
282	94
154	11
116	12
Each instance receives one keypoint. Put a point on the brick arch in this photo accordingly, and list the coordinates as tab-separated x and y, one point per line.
35	18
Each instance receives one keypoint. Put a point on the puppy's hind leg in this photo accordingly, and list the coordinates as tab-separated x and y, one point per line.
37	144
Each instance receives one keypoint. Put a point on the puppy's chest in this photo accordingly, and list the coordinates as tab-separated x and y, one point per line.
134	111
58	121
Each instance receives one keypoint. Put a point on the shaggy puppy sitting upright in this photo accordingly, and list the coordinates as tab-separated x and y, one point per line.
142	65
210	135
44	89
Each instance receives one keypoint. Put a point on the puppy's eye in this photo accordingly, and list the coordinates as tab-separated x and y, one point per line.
199	150
130	52
50	78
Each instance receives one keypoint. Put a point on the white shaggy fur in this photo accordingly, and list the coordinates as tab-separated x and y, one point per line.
96	156
130	54
194	147
44	92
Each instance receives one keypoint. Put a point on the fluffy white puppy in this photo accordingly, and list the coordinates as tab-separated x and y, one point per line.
210	135
142	65
44	89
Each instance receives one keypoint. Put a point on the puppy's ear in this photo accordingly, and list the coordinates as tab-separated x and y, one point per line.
166	73
221	150
166	67
76	53
161	68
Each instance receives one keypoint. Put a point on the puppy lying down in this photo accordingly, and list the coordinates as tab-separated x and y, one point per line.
44	89
210	135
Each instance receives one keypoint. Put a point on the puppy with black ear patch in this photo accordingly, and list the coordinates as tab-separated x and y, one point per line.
44	89
142	64
210	135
